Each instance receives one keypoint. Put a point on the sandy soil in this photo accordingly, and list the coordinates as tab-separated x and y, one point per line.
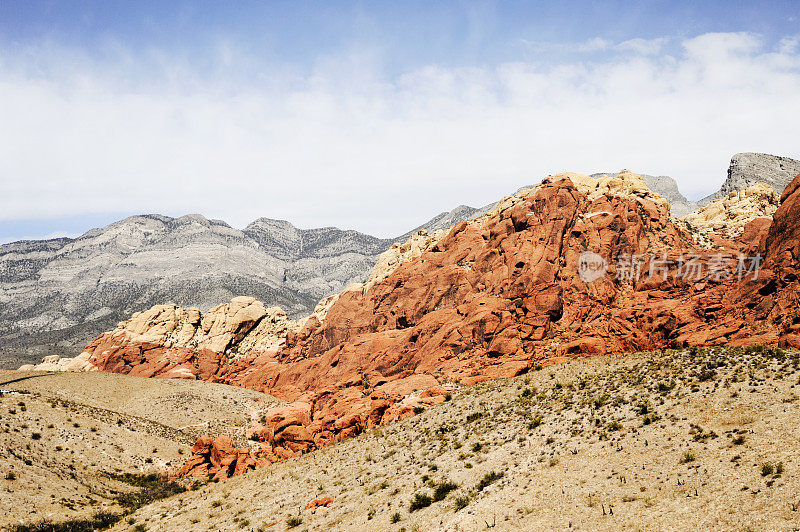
675	440
61	434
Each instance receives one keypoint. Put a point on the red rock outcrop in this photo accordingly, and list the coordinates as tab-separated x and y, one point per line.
491	299
325	501
219	459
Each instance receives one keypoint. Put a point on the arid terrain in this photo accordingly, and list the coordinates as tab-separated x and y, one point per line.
666	440
65	436
476	380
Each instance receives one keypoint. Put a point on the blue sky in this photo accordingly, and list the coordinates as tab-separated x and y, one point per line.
326	113
410	33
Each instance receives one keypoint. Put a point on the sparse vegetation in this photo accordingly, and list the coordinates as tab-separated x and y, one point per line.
98	521
489	478
651	406
419	501
442	489
461	502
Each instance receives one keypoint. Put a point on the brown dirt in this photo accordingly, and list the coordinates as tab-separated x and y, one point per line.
61	434
576	451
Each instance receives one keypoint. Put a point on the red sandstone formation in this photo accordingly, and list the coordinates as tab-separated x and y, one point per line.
491	299
325	501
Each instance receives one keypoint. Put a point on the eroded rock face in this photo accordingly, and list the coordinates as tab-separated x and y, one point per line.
746	169
188	343
727	216
490	299
66	291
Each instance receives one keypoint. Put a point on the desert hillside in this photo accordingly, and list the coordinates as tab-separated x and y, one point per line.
701	438
451	390
72	444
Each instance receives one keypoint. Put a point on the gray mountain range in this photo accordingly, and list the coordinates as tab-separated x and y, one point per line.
56	295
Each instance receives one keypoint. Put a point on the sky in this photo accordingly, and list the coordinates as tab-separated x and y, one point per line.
373	116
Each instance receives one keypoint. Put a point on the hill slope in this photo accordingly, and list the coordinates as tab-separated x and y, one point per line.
665	440
68	439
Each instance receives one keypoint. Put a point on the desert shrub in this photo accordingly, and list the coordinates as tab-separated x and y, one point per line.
152	488
650	418
474	416
687	457
666	386
395	518
706	374
601	400
700	434
489	478
419	501
293	521
442	489
767	469
461	502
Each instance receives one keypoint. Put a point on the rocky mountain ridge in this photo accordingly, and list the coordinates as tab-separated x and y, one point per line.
749	168
493	297
667	188
56	295
729	215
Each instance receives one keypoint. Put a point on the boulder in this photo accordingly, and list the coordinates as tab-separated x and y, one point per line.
325	501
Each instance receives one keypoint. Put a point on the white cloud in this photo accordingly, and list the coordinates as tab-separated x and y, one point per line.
643	46
789	45
347	145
